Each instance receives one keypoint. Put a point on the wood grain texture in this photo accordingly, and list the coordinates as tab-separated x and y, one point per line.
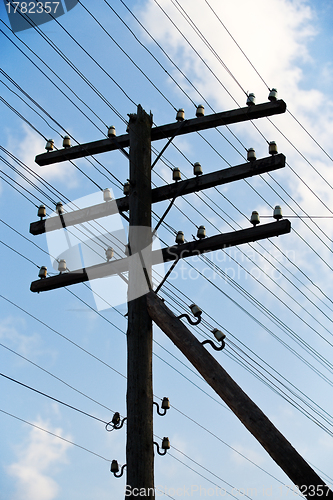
139	446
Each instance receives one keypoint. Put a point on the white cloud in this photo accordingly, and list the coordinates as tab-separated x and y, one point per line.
276	49
13	335
277	39
38	458
10	328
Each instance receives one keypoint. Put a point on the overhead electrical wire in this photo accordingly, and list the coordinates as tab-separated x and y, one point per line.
52	81
124	52
74	408
216	55
63	336
192	24
182	11
108	460
171	60
289	332
56	122
319	411
264	82
52	398
251	260
247	365
54	435
33	109
60	126
99	94
302	319
14	187
68	61
51	188
78	229
160	358
97	312
42	135
197	53
260	245
110	306
109	409
56	377
92	416
298	205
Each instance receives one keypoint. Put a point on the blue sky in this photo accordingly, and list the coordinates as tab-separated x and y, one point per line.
54	342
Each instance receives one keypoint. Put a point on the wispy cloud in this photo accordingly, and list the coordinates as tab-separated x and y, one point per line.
35	466
11	333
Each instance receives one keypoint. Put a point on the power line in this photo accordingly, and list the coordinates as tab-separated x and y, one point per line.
52	81
195	29
55	377
227	277
21	254
52	398
74	294
54	435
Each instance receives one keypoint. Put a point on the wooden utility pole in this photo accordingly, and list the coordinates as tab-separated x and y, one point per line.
139	447
279	448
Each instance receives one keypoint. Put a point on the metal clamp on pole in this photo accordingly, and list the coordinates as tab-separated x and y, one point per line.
196	311
165	446
220	336
116	422
115	468
165	406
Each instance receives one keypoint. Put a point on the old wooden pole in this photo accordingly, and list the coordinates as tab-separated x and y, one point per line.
139	447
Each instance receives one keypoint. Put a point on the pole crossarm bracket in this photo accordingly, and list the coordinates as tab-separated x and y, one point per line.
251	416
175	252
165	131
163	193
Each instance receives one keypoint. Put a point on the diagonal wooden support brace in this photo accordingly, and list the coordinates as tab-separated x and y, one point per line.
278	447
